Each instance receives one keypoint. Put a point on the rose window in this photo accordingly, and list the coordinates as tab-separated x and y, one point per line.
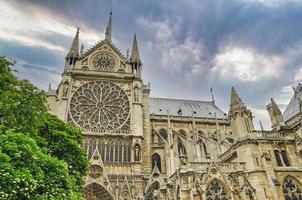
215	191
95	171
100	106
103	61
291	189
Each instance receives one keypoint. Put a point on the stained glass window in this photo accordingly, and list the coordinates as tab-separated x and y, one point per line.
291	189
215	191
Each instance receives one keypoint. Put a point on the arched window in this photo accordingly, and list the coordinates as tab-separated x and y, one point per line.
181	148
137	152
163	133
156	161
285	158
278	158
216	191
291	189
96	191
281	158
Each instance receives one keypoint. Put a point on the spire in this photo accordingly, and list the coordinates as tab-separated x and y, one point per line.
261	126
236	102
240	117
135	52
275	115
275	107
74	49
109	28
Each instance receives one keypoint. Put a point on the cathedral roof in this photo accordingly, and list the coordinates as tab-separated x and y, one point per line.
181	107
293	108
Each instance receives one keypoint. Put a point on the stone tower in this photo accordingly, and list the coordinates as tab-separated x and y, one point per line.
102	94
240	117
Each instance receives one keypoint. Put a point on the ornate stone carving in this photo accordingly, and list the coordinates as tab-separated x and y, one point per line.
291	189
103	61
100	106
95	171
95	191
216	191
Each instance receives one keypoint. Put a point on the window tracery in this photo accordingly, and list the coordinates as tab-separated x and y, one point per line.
150	192
291	189
100	106
95	191
216	191
103	61
110	150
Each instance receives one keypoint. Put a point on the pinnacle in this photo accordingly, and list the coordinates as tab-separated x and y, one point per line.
275	105
135	52
74	49
235	99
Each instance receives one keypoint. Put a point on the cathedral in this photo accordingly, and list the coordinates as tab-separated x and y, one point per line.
144	148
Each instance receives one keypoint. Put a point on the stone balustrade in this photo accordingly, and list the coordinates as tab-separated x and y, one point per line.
106	132
225	167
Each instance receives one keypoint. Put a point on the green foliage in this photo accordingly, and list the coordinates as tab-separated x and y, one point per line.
40	155
62	141
22	105
26	172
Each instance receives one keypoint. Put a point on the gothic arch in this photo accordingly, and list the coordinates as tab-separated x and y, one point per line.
150	191
182	134
156	161
181	147
96	191
292	189
216	190
163	133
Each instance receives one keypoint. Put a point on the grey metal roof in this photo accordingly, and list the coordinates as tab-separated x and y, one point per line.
203	109
293	108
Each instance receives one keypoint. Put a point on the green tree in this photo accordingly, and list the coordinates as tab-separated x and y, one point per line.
62	141
40	155
22	105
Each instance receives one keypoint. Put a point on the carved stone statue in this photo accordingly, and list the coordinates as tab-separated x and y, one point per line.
136	94
137	153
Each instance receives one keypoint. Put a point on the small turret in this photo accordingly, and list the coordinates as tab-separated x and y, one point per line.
134	59
275	115
73	53
240	117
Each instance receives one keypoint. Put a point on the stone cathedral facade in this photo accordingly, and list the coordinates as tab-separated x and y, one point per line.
142	147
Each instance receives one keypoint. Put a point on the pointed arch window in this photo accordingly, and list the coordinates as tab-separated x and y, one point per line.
278	158
216	191
281	158
163	133
181	148
291	189
285	158
156	161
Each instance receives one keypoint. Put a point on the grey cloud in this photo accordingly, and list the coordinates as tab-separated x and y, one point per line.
214	24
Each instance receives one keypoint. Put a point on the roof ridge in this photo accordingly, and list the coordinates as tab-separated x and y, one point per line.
180	99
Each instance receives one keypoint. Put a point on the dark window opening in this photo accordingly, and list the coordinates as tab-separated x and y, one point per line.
156	161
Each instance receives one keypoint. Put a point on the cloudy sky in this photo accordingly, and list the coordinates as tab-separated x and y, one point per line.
187	46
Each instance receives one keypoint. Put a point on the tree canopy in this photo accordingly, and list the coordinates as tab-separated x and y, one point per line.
40	155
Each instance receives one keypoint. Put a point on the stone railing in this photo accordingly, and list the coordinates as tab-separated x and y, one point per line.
225	167
268	135
106	132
